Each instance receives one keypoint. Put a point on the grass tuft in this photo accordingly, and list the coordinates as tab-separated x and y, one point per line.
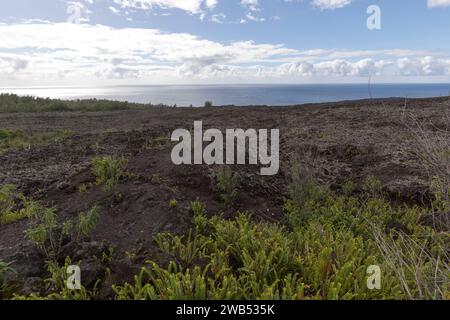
108	171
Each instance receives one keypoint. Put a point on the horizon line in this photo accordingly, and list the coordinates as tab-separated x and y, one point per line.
223	84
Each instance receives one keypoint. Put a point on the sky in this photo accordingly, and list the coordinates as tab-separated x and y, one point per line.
139	42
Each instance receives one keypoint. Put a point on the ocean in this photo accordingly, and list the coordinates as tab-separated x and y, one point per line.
241	95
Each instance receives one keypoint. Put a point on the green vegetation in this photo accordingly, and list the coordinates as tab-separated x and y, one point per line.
198	208
322	252
173	203
320	248
57	280
5	268
45	235
432	151
48	235
227	183
87	222
240	259
108	171
83	188
18	139
372	186
348	187
15	103
157	143
14	206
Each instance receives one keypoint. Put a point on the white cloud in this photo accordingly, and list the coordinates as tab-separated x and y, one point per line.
11	64
211	3
252	5
425	66
218	18
251	17
191	6
61	53
76	7
335	68
438	3
331	4
100	52
114	10
336	4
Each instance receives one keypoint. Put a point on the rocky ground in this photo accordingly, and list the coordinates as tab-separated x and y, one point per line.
340	141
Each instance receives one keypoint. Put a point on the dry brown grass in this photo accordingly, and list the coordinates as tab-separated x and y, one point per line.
422	274
431	148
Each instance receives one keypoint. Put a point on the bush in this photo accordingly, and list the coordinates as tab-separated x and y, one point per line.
157	143
412	255
57	283
44	233
348	187
14	206
48	235
173	203
432	151
108	171
17	139
305	194
198	208
227	183
5	268
87	222
15	103
240	259
372	186
422	274
324	255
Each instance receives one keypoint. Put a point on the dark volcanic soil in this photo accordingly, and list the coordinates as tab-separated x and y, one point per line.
348	140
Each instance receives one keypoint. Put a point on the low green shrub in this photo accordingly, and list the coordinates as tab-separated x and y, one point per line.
198	208
227	183
372	186
87	222
17	139
323	255
108	171
15	103
57	285
173	203
241	259
48	235
157	143
411	254
5	268
14	206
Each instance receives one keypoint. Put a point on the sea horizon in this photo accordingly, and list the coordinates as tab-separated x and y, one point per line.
236	94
